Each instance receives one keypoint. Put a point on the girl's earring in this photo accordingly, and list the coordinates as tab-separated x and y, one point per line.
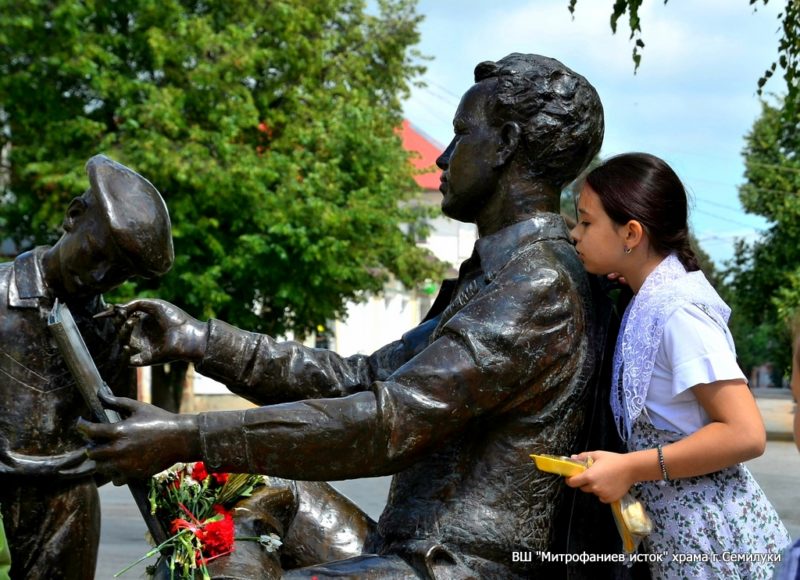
628	250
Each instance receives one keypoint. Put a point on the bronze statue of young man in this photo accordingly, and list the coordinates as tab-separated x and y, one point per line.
498	370
117	229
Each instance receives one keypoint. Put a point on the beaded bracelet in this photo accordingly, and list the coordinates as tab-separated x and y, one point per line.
664	473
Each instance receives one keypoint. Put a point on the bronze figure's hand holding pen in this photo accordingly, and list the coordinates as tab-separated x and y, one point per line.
156	332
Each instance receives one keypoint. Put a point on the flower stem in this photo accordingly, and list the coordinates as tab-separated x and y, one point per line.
152	552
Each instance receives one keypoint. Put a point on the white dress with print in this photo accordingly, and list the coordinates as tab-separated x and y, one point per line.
719	525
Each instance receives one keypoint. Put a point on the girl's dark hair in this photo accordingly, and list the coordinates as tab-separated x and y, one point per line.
642	187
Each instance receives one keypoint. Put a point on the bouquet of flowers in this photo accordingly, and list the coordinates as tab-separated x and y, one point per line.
195	506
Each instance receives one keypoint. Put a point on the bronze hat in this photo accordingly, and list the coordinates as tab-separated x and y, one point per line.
136	213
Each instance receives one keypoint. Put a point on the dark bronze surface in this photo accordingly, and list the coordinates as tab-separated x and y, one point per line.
117	229
500	368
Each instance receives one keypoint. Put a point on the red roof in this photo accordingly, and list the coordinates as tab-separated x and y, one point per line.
425	156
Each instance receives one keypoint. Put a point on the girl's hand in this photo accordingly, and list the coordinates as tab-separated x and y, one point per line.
618	277
608	476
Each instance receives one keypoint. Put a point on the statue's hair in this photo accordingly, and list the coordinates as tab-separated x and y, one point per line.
559	112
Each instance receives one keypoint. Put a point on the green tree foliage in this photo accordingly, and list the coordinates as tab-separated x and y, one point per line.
269	128
765	275
631	7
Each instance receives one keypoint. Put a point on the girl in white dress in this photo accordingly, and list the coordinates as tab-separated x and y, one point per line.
679	399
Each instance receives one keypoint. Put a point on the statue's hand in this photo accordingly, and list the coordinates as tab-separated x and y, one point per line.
146	441
156	332
71	464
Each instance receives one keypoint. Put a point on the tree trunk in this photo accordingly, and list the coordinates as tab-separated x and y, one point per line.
167	383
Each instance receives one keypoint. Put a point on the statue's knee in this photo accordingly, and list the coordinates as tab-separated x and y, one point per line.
326	527
315	524
270	509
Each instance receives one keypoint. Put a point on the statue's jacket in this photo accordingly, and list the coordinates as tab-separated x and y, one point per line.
497	371
39	406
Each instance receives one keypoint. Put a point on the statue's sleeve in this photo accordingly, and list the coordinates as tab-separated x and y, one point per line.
513	345
266	371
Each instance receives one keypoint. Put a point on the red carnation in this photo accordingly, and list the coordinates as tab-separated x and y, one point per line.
179	524
199	472
220	478
217	537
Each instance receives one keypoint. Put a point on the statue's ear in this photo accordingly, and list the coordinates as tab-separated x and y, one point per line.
510	135
77	207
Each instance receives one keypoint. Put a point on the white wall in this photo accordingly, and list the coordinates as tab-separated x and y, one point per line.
451	241
377	321
384	318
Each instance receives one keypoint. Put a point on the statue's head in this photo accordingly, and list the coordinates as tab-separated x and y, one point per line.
558	111
528	120
119	228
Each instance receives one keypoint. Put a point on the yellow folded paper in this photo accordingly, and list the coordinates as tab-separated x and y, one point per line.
632	520
559	464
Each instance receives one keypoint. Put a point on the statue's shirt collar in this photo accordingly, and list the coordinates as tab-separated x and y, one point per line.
494	250
26	288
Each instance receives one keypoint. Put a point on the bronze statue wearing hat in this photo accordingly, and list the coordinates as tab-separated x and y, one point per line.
119	228
499	369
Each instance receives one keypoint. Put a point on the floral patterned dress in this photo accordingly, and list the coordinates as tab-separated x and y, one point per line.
719	525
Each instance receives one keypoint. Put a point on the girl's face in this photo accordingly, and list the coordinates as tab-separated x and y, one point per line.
600	242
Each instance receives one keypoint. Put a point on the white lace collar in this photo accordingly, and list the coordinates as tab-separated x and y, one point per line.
666	288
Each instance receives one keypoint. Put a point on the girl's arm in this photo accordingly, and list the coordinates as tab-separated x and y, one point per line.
736	433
